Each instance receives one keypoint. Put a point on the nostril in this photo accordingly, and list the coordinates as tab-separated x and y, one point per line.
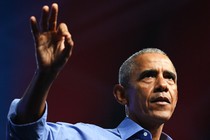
161	89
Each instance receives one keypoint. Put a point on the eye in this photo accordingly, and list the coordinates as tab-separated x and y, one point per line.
150	75
170	76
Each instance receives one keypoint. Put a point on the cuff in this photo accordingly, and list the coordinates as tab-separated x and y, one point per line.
28	130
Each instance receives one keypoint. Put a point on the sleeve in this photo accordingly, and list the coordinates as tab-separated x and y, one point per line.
31	131
42	130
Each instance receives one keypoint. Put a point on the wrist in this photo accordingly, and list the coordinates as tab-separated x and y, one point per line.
47	73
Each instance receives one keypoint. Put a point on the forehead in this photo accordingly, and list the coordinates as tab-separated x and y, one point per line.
154	61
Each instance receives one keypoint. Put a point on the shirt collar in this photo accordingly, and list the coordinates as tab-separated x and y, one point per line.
128	127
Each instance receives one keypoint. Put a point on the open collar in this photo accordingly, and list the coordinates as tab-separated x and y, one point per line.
127	128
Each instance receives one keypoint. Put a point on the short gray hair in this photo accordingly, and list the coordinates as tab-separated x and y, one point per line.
128	65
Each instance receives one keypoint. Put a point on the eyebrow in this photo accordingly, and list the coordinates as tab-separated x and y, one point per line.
147	72
154	72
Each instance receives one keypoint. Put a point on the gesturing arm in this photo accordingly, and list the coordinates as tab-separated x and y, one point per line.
53	47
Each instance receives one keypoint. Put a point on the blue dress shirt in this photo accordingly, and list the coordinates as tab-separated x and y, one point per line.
42	130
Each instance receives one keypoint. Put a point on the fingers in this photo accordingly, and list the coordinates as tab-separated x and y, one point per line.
44	18
63	32
53	17
69	45
34	26
49	18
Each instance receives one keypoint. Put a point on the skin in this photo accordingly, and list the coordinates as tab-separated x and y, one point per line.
152	95
53	45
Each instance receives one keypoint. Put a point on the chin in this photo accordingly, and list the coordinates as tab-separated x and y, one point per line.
161	116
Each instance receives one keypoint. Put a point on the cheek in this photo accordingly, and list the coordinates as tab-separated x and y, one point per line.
145	91
174	96
139	96
143	95
137	99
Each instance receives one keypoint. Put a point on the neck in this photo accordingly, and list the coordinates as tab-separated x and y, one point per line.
156	131
154	128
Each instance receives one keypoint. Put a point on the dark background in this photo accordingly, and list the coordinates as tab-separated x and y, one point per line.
105	33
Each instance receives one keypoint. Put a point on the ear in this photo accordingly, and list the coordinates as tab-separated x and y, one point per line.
120	94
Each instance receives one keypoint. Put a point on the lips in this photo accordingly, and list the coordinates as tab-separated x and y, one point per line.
160	99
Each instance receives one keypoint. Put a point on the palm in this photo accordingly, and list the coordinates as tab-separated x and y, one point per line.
50	51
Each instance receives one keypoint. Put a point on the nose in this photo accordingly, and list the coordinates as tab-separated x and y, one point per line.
161	84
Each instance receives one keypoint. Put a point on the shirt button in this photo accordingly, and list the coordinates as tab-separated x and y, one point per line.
145	134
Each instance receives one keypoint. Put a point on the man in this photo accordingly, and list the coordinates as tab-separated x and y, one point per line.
147	88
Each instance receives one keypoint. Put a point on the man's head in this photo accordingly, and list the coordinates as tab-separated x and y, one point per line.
148	87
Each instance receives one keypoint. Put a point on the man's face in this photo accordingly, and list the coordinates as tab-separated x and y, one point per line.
152	95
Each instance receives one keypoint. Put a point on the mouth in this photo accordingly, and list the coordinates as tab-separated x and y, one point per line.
161	100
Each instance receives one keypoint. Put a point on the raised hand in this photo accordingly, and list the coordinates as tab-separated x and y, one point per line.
53	48
53	44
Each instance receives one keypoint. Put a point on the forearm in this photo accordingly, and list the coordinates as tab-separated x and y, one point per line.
32	104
